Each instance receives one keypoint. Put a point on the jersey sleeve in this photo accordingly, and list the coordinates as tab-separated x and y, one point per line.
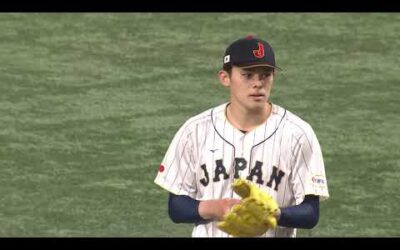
308	173
177	173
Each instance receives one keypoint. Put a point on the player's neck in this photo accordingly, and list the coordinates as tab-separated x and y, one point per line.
244	119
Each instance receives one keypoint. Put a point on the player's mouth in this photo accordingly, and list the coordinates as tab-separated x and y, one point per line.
257	97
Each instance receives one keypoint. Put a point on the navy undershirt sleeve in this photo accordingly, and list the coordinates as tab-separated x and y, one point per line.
183	209
304	215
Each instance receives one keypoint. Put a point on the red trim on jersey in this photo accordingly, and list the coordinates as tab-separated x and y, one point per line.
161	169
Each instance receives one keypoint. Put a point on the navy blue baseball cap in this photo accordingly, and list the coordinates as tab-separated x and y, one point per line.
250	52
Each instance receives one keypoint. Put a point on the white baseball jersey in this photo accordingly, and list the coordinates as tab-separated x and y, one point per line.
282	156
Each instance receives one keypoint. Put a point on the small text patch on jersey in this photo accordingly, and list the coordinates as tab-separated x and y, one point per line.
318	179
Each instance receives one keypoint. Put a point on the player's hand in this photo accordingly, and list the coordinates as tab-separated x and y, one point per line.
216	209
254	215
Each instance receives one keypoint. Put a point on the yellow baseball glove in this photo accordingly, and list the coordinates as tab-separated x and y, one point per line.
254	215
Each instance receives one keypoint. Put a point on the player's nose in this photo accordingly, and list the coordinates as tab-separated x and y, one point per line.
258	81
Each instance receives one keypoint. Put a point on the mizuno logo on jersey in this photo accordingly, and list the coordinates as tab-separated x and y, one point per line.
256	173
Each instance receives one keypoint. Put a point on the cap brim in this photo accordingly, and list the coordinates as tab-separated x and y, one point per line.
257	65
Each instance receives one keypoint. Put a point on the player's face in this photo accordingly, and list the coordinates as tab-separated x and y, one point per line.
250	87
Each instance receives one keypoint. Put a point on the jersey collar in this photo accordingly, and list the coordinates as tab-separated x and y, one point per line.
260	133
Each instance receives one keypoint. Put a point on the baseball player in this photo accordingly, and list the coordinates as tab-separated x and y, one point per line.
248	137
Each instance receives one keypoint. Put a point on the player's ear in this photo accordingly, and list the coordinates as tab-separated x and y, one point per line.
224	78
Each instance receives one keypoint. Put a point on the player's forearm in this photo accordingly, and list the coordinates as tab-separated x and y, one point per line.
206	209
216	209
183	209
304	215
210	210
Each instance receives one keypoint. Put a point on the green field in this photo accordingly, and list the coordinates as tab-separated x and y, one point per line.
90	102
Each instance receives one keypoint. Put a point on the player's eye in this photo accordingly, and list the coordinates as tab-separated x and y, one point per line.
247	75
266	75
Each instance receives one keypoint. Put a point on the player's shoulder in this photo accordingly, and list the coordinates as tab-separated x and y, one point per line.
294	122
202	118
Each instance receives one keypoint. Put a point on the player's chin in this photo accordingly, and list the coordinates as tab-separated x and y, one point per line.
257	104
